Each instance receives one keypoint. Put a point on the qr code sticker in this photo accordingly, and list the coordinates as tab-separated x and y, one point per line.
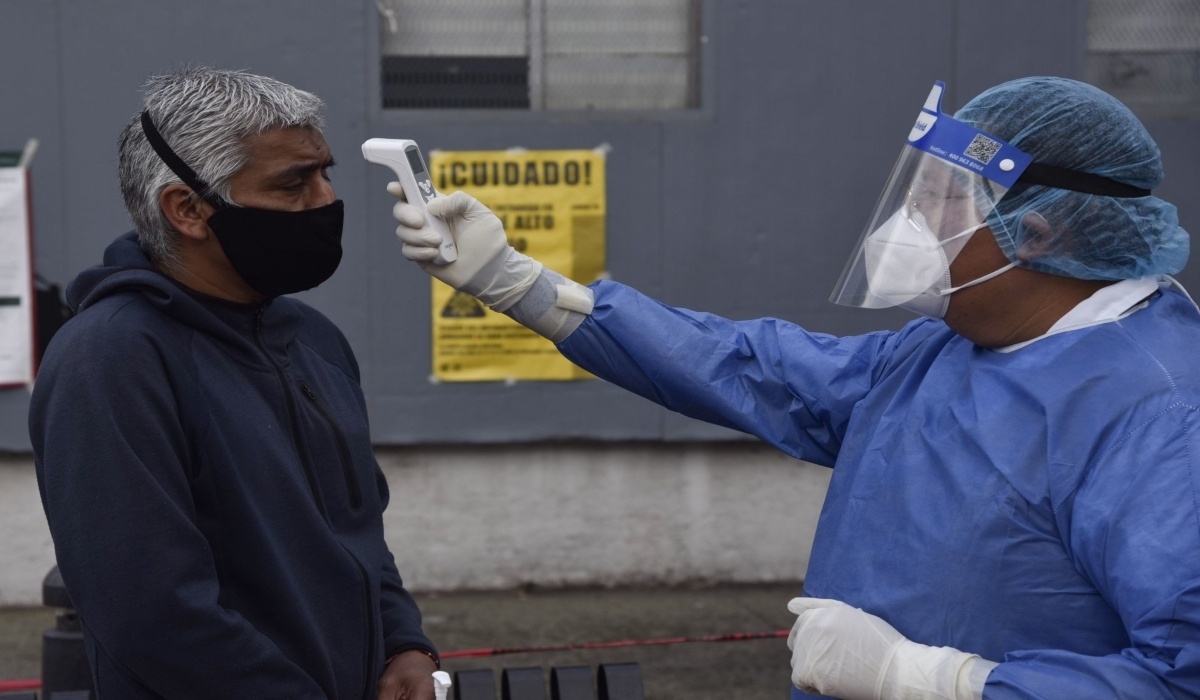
982	149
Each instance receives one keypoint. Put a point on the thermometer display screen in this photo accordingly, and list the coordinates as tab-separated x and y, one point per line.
414	160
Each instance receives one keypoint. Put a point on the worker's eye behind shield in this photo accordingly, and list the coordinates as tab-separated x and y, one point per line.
948	200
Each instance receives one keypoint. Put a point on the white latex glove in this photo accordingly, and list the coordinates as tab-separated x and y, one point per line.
487	267
844	652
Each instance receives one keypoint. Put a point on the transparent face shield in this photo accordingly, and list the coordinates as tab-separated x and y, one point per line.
947	181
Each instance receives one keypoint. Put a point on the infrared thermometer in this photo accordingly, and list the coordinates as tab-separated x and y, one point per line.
405	159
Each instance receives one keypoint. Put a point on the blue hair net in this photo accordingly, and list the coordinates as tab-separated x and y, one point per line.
1074	125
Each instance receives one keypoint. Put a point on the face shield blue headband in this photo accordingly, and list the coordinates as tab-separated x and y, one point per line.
947	181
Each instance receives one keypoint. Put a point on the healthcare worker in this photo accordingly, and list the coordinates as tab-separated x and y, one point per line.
1013	509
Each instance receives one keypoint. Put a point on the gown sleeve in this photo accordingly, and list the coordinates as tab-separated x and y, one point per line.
1134	530
770	378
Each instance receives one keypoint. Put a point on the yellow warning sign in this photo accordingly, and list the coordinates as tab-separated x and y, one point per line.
552	204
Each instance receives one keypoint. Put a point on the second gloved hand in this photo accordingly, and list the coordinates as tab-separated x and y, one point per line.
487	267
844	652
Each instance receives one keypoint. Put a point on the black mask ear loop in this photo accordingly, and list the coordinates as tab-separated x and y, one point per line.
176	164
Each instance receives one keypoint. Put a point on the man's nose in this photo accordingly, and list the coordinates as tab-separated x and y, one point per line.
323	194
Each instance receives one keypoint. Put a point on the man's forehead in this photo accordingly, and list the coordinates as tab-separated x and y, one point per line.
288	145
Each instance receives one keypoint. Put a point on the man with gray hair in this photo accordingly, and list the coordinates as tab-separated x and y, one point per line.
201	441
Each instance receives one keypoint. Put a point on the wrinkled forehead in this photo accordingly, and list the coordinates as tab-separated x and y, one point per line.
284	154
287	143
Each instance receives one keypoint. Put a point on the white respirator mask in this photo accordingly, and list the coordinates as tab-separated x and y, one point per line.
907	266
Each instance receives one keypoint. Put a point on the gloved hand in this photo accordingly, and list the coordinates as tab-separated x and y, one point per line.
844	652
487	267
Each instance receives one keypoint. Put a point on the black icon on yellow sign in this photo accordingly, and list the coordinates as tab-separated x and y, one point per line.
463	305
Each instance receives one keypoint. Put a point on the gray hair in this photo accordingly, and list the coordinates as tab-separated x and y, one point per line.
205	114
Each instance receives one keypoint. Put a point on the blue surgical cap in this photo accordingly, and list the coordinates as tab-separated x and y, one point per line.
1073	125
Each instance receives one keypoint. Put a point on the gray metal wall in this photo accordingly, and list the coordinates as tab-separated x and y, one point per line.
746	207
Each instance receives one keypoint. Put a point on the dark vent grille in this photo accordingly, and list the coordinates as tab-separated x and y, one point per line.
456	82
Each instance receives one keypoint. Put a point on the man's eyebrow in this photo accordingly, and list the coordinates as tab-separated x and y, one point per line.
299	171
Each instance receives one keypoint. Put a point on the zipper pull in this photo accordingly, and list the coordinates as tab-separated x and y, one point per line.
308	392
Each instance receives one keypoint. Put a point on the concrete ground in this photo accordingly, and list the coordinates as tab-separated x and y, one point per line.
752	670
21	641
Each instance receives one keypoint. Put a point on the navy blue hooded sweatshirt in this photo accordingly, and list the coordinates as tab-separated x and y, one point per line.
207	472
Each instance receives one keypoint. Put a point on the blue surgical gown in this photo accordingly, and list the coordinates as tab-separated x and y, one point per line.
1038	508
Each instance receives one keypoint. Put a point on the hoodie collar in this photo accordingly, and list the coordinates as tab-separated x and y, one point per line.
242	328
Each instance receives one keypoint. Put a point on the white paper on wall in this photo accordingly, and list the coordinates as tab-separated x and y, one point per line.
16	298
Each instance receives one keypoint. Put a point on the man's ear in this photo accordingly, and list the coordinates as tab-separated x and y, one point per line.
187	213
1040	240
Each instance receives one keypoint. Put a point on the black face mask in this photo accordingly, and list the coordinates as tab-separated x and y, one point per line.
275	252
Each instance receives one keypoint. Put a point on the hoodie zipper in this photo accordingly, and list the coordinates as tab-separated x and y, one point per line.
310	475
339	437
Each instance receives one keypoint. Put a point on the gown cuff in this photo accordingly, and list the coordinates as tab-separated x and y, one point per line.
553	307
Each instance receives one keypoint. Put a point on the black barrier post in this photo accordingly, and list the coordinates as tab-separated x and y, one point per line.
523	684
64	658
479	684
572	683
621	682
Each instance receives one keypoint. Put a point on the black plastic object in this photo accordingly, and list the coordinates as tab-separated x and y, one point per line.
479	684
572	683
52	313
54	591
68	695
65	666
523	684
19	696
621	682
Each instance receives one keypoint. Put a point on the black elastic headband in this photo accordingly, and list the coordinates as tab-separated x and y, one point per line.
1076	181
176	164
